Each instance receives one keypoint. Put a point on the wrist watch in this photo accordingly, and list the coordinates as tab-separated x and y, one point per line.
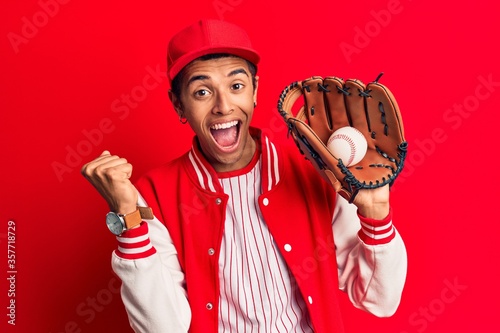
118	223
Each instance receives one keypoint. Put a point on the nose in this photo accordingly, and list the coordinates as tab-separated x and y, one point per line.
223	105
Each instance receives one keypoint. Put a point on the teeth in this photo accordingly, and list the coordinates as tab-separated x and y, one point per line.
224	125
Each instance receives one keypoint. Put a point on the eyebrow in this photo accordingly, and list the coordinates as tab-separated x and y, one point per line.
205	77
196	78
238	71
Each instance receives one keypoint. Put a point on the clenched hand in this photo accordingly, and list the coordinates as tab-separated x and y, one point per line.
110	175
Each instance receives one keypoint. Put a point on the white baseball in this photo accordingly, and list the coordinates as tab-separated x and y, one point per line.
347	144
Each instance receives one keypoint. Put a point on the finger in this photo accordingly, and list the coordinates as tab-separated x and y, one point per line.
89	168
355	103
313	89
127	168
385	119
113	165
118	173
335	101
385	111
105	155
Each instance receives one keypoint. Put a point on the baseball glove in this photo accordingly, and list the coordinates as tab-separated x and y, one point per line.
332	103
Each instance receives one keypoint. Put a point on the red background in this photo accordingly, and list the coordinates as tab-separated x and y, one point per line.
66	68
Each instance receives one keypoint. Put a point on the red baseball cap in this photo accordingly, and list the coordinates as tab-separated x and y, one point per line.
208	37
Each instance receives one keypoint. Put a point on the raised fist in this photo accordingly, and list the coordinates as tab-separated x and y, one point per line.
110	175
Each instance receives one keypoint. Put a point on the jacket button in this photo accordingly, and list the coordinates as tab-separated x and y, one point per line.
209	306
218	201
288	247
211	251
265	201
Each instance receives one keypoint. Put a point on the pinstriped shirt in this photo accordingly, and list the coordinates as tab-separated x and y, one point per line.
257	291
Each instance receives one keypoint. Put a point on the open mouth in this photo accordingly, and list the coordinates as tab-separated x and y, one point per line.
226	135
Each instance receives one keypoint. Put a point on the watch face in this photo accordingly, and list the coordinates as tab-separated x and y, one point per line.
114	223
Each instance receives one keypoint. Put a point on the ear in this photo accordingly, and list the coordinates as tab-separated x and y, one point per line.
255	90
176	102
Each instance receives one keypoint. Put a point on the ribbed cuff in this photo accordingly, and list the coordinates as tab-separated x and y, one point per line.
135	243
376	232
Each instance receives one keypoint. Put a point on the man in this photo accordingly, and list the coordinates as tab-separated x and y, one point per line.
236	243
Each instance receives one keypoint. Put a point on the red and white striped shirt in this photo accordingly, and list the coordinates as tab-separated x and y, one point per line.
257	291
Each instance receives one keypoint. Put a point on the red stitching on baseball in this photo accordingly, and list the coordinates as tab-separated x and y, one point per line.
351	144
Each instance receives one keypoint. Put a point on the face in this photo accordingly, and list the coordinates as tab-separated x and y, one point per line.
217	99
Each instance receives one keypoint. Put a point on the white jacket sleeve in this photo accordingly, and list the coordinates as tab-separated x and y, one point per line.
371	259
153	289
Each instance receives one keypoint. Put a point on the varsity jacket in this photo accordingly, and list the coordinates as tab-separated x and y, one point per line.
169	265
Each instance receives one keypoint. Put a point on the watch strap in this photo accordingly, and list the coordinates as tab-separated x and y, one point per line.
135	218
132	219
146	213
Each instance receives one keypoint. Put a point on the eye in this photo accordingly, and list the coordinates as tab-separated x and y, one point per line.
201	93
237	86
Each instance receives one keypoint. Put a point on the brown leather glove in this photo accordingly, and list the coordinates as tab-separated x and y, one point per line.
332	103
